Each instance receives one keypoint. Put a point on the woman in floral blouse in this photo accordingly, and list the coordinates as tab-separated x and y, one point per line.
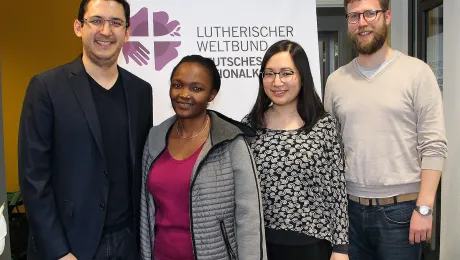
298	154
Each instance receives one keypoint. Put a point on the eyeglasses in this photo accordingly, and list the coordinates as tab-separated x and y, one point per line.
286	76
368	15
98	23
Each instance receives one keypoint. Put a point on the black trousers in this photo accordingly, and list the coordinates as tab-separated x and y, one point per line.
119	245
318	251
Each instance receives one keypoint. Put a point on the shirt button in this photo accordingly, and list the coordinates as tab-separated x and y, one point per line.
105	173
102	205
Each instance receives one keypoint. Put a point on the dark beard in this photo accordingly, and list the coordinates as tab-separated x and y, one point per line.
378	39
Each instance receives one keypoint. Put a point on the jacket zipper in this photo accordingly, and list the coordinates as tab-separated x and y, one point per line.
259	199
147	191
223	230
190	195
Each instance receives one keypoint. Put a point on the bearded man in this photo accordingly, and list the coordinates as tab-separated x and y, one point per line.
390	111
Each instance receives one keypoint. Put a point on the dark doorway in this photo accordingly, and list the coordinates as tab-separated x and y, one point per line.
335	49
426	34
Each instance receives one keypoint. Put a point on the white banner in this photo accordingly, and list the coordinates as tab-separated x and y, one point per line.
235	34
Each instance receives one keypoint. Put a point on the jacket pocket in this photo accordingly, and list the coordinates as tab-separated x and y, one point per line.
223	230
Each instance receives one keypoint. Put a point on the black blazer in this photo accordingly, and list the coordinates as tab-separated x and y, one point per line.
62	170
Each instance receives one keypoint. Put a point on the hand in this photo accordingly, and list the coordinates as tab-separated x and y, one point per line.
136	51
69	256
420	228
339	256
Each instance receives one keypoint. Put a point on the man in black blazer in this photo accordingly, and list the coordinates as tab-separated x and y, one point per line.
82	131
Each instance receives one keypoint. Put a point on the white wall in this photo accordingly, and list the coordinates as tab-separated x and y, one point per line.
399	29
329	3
450	215
399	26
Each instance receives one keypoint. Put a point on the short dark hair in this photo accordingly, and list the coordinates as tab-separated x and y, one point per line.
384	4
84	5
309	105
207	64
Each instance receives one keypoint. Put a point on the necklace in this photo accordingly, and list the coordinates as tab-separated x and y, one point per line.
184	137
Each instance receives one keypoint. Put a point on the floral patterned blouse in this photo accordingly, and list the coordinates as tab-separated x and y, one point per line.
302	180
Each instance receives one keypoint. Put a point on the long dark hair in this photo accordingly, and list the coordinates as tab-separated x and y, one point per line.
309	105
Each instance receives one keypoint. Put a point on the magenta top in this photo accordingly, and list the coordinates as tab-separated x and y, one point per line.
169	183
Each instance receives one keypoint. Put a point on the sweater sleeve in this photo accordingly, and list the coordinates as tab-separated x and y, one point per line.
35	156
432	143
337	194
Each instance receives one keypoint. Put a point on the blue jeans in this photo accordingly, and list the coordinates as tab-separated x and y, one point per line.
381	232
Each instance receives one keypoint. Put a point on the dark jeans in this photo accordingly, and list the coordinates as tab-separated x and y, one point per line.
381	232
316	251
119	245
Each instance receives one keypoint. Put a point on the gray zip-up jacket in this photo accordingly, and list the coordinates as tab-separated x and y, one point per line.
226	219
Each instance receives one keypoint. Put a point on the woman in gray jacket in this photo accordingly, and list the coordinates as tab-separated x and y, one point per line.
200	194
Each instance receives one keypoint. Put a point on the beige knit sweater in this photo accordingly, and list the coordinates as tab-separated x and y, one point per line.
392	125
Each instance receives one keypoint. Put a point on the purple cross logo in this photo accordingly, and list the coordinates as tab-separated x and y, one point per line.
164	51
